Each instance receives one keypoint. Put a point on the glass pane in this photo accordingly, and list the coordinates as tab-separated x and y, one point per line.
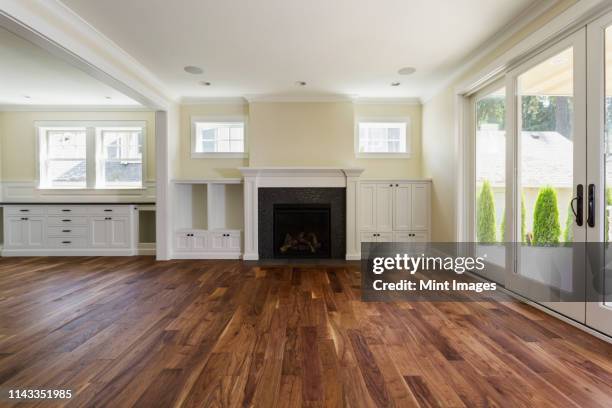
66	144
67	173
218	137
122	173
380	137
122	144
546	169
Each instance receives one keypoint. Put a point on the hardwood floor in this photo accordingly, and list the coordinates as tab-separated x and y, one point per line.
123	332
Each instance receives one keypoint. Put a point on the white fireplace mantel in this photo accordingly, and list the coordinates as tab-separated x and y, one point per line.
255	177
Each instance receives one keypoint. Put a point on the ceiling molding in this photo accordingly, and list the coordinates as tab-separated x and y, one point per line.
299	98
73	108
56	28
388	101
213	101
528	15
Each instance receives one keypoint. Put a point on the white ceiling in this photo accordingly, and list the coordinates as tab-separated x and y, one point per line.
347	47
28	70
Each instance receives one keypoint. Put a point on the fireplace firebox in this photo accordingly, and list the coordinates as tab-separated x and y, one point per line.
302	231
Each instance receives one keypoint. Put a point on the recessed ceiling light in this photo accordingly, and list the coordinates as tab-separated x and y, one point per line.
205	83
191	69
27	96
108	97
407	71
395	83
300	83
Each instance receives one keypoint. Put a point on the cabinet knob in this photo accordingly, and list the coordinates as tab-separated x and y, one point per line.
397	185
390	185
24	218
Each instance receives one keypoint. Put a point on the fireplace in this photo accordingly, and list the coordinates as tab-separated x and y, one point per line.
302	222
302	230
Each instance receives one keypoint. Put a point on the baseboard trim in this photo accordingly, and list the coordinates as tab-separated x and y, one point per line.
68	252
206	255
353	257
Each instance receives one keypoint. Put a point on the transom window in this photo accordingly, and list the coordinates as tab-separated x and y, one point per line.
90	155
382	138
218	138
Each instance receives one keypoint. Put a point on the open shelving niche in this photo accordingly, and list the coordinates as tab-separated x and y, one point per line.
208	205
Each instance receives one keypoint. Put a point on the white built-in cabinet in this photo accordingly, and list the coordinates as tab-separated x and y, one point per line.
394	211
208	219
70	229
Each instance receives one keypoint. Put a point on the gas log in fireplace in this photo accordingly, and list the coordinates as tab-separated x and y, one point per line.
302	231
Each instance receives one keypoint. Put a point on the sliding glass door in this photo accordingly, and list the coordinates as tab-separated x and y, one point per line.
599	189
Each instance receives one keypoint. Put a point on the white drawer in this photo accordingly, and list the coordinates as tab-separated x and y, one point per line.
68	231
368	237
67	210
109	210
67	220
402	237
67	242
24	210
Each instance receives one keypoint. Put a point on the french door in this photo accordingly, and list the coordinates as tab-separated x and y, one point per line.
599	174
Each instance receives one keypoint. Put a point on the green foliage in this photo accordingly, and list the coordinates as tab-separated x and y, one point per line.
491	110
546	228
568	234
485	214
523	224
547	113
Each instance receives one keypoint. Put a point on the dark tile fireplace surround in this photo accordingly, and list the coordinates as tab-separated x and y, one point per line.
304	222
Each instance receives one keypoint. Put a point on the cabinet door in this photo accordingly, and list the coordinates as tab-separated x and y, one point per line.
200	241
384	207
385	237
419	237
99	232
34	230
182	242
402	197
217	241
119	232
14	237
420	207
233	241
367	207
402	237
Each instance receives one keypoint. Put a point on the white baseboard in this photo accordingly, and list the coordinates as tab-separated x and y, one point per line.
206	255
353	257
68	252
250	257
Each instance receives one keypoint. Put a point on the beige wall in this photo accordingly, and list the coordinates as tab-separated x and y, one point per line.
18	139
300	134
438	159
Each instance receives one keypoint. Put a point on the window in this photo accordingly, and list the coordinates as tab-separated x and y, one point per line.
382	138
218	138
120	158
83	155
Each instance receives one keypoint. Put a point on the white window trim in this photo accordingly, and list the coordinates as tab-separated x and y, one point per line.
221	155
92	159
383	119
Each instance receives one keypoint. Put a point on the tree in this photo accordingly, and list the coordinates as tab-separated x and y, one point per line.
523	225
546	228
491	110
485	214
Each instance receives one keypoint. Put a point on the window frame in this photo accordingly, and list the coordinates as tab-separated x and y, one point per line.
92	150
218	155
384	155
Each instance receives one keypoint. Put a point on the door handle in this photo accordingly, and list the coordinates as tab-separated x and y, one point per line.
578	199
591	206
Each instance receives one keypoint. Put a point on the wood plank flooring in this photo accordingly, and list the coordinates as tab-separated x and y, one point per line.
123	332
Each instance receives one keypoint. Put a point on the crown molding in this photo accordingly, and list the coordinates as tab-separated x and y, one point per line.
518	23
73	108
213	101
53	26
299	98
387	101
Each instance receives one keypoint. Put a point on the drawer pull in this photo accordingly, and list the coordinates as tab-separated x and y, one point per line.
66	210
24	210
66	242
66	230
108	210
66	220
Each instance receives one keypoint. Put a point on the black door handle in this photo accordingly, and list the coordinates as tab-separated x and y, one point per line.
591	206
578	211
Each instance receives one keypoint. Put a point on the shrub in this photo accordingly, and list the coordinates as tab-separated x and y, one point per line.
523	225
485	214
568	234
546	228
